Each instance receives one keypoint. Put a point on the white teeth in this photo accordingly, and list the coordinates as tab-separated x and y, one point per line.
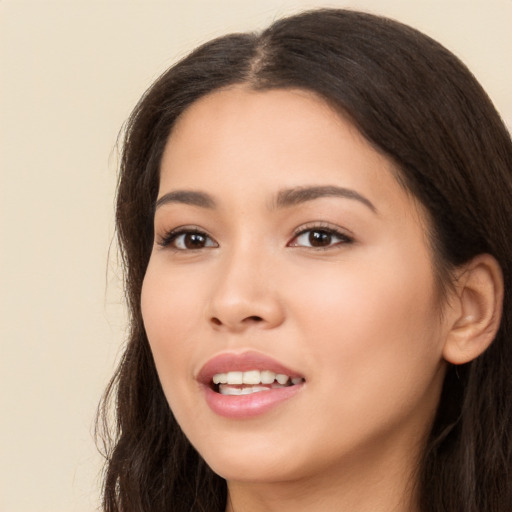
267	377
282	379
251	377
254	377
220	378
235	377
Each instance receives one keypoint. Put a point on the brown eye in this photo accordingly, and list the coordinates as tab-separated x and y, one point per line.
320	239
194	241
188	240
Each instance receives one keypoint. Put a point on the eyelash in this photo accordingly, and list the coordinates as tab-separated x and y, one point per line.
325	230
169	238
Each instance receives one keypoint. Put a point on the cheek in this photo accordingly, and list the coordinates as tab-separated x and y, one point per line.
370	322
170	300
169	305
372	341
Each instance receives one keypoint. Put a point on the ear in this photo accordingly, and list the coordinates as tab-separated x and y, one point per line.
478	308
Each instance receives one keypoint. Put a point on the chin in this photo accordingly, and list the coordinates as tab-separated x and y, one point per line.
255	471
252	459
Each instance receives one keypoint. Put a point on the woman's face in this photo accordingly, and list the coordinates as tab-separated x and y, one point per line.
284	245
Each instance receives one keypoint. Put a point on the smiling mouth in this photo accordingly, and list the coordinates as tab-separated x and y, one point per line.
236	383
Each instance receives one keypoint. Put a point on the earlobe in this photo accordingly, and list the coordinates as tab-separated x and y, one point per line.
480	299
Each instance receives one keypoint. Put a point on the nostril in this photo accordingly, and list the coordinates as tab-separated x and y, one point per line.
254	318
247	320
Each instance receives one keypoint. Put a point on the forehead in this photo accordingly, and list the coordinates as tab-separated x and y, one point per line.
243	99
272	116
265	140
237	121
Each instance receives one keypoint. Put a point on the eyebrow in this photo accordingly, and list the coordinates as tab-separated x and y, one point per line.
284	198
298	195
190	197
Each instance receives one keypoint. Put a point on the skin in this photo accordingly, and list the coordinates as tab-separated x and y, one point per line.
359	318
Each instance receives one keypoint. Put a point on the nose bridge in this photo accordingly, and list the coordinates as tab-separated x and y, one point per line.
244	292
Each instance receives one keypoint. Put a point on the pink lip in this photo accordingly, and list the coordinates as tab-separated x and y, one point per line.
245	406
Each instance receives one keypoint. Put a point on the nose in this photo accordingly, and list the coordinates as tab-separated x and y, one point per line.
245	294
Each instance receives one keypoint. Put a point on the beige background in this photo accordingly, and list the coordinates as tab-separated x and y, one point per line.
70	73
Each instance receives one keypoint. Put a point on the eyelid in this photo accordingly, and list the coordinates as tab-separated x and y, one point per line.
169	236
344	234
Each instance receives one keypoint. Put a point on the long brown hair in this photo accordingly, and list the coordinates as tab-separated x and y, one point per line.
419	105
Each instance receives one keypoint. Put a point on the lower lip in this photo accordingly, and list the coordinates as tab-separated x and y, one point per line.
248	406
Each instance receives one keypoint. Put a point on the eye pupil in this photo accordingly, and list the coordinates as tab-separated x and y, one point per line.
319	238
194	240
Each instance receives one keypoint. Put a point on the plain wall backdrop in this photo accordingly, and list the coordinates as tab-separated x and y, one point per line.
70	72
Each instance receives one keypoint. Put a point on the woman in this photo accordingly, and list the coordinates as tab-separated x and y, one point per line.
315	226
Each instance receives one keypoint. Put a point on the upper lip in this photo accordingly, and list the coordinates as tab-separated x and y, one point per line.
230	362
